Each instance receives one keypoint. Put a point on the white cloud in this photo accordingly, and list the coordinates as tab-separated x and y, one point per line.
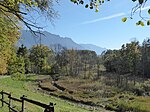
104	18
112	16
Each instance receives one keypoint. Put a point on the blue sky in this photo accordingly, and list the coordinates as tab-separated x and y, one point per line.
104	28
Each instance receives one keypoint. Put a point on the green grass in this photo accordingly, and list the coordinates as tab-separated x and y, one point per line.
19	88
28	88
140	104
131	103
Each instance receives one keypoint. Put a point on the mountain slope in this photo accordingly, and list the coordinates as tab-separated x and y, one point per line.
50	40
92	47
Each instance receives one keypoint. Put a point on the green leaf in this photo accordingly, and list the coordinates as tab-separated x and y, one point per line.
148	22
142	23
91	7
124	19
73	0
97	10
86	6
138	23
141	1
133	0
149	11
81	2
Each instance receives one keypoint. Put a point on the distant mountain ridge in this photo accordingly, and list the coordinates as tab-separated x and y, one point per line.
49	40
92	47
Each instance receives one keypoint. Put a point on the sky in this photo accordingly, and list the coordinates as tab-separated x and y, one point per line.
104	29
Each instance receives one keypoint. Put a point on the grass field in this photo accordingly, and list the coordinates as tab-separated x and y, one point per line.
19	88
121	101
99	93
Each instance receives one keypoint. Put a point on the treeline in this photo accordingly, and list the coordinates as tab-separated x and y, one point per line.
62	61
132	58
41	59
38	59
77	62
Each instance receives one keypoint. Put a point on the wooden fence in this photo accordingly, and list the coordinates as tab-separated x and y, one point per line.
47	108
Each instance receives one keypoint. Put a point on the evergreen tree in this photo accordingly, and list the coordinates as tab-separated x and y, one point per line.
23	52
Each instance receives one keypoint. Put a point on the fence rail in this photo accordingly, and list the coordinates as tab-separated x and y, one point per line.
47	108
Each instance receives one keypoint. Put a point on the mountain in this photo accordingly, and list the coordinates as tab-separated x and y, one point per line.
92	47
28	39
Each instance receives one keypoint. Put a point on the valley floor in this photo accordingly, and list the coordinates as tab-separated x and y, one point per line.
29	88
77	94
100	93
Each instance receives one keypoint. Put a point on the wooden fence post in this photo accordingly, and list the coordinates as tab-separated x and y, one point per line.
50	108
9	102
51	105
22	108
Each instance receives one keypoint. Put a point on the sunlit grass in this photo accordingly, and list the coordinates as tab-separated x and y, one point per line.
131	103
19	88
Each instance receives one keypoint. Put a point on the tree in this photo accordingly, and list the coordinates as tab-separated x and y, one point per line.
76	62
139	4
39	56
16	67
23	52
146	57
9	35
99	62
12	14
87	62
62	60
110	60
124	62
21	9
133	59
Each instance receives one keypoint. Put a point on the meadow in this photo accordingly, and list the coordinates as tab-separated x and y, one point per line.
28	88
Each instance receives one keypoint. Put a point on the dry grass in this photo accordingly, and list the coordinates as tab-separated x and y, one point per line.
103	92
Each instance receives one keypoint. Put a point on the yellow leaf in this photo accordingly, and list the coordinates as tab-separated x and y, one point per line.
124	19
